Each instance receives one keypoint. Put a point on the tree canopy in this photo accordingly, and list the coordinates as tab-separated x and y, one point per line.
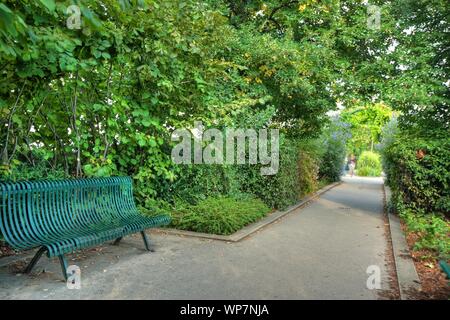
102	99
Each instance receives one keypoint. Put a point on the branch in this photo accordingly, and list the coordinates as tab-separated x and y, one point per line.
281	6
74	115
5	149
13	150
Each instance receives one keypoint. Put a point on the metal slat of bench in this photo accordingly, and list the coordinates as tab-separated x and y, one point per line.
445	267
62	216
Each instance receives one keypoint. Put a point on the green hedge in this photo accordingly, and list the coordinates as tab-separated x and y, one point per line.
334	143
223	199
418	171
297	174
332	163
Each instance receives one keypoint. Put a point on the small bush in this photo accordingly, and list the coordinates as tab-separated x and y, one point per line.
369	164
198	182
418	172
297	175
18	171
309	161
368	172
334	143
222	216
433	231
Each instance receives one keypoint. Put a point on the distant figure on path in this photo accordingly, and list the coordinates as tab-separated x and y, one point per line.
351	166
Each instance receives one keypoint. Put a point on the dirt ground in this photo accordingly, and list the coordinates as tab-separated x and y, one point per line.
435	285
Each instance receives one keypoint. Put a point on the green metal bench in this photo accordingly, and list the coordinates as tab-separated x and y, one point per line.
445	267
62	216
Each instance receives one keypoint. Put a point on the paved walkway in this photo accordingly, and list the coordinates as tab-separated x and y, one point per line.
318	252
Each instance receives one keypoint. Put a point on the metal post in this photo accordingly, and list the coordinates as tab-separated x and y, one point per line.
35	259
63	262
116	242
146	242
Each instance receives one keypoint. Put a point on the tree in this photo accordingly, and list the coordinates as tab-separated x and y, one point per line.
366	124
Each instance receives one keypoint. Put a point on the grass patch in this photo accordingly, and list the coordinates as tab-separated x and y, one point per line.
323	183
218	215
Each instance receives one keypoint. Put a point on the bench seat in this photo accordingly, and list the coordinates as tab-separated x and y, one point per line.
63	216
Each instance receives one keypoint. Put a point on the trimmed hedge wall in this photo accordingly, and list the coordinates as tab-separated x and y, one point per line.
418	172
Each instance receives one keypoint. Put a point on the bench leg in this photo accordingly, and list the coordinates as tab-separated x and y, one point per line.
116	242
35	259
63	262
146	242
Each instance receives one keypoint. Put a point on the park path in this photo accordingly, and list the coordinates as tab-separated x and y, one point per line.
321	251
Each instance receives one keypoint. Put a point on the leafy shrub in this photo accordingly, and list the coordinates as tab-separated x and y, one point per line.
433	231
198	182
309	163
332	162
390	134
369	164
23	171
334	140
308	173
418	172
218	215
297	174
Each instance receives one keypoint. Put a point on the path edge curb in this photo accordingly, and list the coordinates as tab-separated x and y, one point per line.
407	277
253	227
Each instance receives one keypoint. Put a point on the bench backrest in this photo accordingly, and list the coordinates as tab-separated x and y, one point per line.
35	211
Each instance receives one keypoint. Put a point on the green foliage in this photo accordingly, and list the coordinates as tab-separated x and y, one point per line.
335	139
296	177
419	86
198	182
307	170
99	101
369	164
102	100
418	171
366	124
218	215
433	231
39	171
